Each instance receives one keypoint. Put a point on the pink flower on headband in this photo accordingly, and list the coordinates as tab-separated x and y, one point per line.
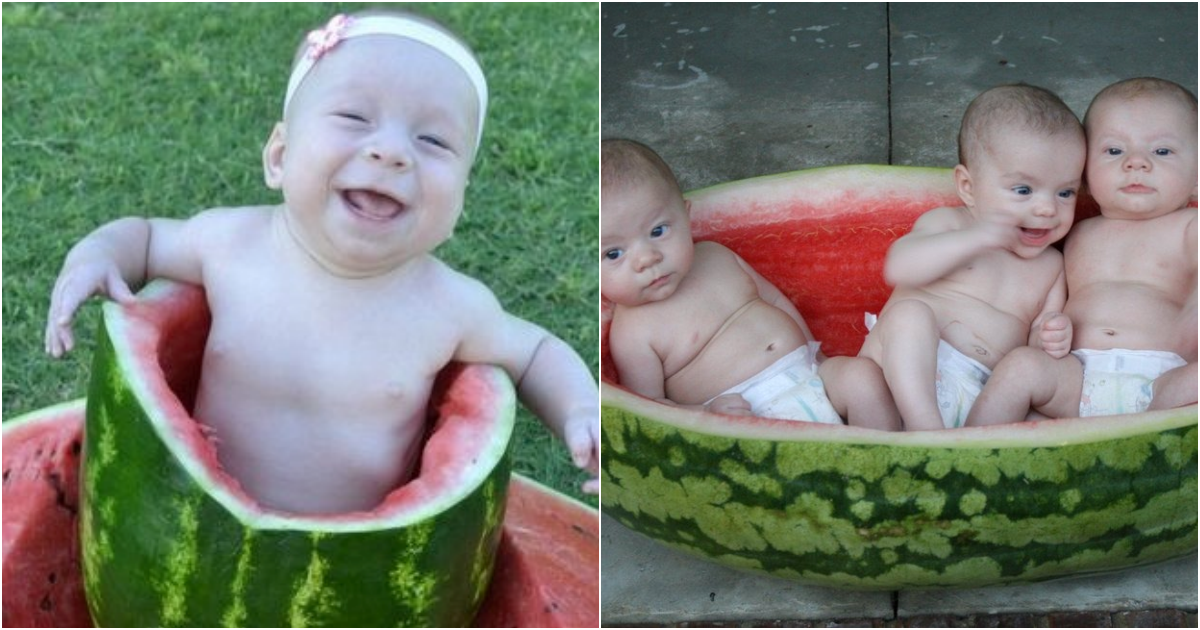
323	40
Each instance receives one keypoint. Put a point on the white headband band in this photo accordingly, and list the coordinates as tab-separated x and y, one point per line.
341	27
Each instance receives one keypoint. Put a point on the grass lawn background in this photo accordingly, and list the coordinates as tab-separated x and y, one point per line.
125	109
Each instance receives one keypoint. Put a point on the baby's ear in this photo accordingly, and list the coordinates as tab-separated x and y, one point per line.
962	182
687	206
273	157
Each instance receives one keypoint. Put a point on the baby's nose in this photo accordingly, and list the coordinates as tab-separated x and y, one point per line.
390	149
648	257
1136	161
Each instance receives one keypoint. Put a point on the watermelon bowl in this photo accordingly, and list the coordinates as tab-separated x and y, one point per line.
850	507
121	499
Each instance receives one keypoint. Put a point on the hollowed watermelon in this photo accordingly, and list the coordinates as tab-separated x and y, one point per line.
851	507
546	563
169	539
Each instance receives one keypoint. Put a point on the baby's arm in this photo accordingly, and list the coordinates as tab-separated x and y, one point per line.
1052	331
551	379
1186	330
641	370
111	259
938	245
771	294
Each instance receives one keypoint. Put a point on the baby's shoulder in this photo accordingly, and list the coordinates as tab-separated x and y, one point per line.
712	249
942	219
443	288
229	225
712	255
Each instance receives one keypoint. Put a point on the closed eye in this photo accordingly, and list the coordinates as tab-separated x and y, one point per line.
436	141
352	116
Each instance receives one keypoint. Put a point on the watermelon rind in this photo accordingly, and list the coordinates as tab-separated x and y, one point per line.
855	508
170	541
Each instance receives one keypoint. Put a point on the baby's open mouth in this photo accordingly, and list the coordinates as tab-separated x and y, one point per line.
371	205
1031	236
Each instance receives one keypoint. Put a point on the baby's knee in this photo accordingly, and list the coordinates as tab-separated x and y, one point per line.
1023	360
908	314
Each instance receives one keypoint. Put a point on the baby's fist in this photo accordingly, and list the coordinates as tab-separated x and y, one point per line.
1055	335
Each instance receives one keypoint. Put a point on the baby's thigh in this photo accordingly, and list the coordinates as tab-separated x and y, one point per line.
903	324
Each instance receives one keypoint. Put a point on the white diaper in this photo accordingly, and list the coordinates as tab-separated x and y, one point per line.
960	379
789	389
1121	381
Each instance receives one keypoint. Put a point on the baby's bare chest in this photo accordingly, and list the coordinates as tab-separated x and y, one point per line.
318	358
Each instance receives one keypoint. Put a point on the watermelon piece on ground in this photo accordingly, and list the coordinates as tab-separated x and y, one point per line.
546	569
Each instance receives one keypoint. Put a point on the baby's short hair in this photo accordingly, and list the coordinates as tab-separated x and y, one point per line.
625	162
1130	89
1030	107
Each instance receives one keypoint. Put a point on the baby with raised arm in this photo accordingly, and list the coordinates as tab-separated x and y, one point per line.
1131	272
381	123
974	282
693	325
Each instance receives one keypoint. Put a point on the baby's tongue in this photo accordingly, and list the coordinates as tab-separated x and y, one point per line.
373	205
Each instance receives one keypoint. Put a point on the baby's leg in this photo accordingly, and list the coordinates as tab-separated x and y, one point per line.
858	392
1175	388
1029	379
904	343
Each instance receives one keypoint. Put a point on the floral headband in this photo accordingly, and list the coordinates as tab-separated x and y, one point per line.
342	27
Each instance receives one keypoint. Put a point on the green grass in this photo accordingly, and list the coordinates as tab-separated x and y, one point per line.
125	109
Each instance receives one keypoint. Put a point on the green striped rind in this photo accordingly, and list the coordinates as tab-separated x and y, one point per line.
842	507
161	548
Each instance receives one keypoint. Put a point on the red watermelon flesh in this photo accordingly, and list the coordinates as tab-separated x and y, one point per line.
546	568
42	583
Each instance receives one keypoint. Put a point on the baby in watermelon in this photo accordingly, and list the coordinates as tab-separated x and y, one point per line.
331	317
974	282
1131	272
693	325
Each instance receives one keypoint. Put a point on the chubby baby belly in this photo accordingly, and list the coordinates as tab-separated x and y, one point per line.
299	454
760	336
1123	316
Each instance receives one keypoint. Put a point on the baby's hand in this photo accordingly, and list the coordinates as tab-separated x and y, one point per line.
730	405
999	230
1056	335
76	283
582	435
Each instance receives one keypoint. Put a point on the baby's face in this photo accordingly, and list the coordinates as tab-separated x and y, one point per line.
645	243
1141	156
1029	181
374	154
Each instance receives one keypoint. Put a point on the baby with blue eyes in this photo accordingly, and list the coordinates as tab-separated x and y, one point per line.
974	282
693	325
1131	272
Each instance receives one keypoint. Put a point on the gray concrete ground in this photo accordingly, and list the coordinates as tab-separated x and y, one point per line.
730	91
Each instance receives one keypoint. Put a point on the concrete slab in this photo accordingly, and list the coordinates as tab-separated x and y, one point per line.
726	91
646	583
943	55
1170	584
